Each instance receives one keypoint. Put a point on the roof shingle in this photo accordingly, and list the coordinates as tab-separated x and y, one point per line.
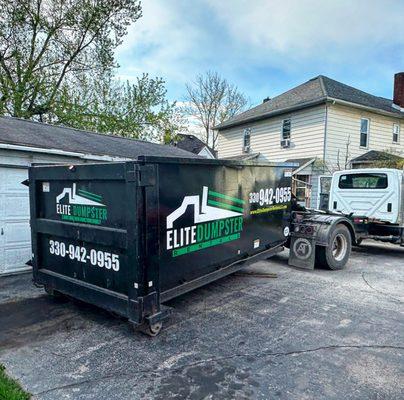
22	132
191	143
374	155
315	91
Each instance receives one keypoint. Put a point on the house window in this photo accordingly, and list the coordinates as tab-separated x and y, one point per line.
246	140
396	133
286	129
364	139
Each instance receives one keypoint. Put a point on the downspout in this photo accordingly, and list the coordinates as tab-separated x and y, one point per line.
324	153
325	133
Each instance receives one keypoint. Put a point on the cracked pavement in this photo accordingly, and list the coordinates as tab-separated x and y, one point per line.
303	335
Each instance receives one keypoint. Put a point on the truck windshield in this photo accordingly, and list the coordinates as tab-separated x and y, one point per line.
363	181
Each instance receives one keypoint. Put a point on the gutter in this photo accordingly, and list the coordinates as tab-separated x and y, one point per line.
63	153
325	134
367	108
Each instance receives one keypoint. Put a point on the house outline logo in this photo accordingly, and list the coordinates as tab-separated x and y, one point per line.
84	197
82	206
208	210
217	219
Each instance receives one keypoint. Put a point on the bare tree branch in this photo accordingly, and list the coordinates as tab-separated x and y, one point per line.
212	100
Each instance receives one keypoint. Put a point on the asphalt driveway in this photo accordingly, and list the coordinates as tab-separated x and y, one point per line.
303	335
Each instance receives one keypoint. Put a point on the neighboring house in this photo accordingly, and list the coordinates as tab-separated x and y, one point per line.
322	122
194	145
374	159
24	142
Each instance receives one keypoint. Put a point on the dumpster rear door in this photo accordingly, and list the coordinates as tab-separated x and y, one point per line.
79	220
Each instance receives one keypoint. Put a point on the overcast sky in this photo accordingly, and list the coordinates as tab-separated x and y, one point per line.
266	47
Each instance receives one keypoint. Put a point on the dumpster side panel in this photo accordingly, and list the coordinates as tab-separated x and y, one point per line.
212	214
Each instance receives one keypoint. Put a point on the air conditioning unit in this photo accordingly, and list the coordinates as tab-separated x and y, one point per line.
246	149
285	143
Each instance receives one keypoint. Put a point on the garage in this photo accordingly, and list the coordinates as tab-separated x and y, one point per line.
25	142
14	220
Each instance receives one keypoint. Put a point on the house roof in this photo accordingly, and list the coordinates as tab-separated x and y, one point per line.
191	143
374	155
243	157
317	90
301	163
15	131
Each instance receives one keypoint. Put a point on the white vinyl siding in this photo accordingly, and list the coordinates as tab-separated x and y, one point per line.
343	134
307	137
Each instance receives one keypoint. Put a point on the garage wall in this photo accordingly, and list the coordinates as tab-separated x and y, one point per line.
15	236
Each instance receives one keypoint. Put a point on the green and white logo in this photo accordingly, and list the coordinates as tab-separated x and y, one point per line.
81	206
218	218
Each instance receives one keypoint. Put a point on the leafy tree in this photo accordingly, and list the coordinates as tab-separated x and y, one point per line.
212	100
47	45
107	105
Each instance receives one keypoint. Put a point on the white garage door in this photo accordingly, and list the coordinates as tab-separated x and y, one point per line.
15	240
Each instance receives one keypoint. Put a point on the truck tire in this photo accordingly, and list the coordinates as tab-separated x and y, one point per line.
336	254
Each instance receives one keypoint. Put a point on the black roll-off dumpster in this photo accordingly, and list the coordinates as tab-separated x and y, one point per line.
129	236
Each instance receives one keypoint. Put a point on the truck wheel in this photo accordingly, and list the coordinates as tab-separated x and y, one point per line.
337	253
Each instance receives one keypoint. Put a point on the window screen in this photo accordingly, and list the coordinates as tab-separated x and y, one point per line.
363	181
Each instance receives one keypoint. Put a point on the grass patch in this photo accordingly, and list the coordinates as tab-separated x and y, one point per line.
10	389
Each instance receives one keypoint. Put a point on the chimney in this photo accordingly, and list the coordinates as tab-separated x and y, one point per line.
398	97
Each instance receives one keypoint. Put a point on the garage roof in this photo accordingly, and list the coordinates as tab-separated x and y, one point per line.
374	155
15	131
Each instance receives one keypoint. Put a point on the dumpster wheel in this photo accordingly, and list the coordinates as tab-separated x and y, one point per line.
54	294
150	329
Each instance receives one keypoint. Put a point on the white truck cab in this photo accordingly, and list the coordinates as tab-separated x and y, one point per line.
375	193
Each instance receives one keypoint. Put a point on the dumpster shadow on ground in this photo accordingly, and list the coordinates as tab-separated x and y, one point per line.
30	320
34	319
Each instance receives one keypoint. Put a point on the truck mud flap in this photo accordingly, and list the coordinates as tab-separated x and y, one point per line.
302	252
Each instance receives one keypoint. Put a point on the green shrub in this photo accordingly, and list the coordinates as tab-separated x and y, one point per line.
10	389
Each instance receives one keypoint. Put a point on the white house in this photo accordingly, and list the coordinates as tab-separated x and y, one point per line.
321	125
25	142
